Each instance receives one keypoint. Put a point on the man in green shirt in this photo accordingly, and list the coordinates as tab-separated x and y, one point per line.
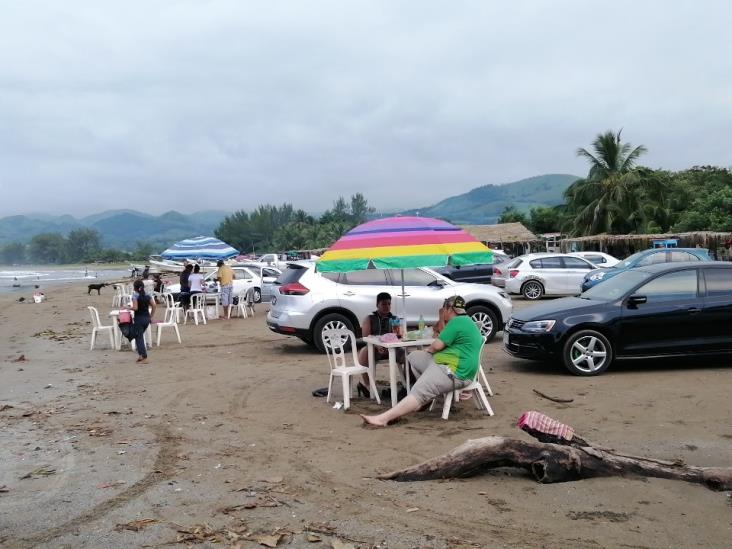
450	363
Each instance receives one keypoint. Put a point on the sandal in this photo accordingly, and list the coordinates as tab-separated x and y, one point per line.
362	390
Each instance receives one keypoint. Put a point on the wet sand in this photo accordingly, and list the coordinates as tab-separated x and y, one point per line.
222	431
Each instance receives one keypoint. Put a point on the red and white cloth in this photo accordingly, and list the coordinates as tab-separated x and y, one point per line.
536	421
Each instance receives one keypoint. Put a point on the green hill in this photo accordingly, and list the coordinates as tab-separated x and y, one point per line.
483	205
118	228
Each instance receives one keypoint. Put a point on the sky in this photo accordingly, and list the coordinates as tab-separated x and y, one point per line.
195	105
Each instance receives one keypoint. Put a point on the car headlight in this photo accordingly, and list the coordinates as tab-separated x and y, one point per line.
538	326
597	276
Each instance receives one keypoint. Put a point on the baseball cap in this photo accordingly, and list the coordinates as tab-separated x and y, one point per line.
457	303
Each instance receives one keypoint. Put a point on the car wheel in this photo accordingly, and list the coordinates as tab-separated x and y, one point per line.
486	321
587	353
333	320
532	290
257	295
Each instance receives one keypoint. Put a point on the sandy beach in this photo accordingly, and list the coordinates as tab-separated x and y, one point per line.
219	441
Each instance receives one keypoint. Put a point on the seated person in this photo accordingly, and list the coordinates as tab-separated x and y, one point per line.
376	324
450	363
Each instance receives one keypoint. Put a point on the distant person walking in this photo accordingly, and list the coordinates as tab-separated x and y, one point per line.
185	286
144	307
226	277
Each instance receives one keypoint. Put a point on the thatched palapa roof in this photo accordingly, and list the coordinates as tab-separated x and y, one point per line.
502	232
696	236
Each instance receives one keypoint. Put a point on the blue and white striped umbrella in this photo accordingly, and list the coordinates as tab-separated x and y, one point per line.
200	247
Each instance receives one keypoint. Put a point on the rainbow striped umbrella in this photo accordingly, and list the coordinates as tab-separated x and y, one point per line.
403	243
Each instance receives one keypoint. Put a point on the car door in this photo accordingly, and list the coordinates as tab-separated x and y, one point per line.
668	321
424	294
575	269
717	314
551	271
357	290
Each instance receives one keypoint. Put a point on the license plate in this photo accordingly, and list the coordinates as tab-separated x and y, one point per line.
505	338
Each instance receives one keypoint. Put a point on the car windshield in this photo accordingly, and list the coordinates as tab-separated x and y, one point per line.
615	287
630	260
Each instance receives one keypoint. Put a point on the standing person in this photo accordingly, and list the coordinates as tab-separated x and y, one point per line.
450	363
185	287
195	280
225	276
142	304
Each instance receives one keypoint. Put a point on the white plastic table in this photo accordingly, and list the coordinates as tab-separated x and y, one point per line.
373	341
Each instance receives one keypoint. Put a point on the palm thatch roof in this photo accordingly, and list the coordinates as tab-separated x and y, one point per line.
694	237
502	232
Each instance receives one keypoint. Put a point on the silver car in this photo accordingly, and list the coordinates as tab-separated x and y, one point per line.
537	275
306	301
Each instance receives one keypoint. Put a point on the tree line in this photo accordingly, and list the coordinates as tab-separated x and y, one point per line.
280	228
79	246
620	197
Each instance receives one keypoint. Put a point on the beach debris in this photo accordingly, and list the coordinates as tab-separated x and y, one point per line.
136	525
4	489
201	533
269	540
21	358
272	480
111	484
45	471
554	399
556	458
337	543
98	431
20	299
412	510
312	538
337	405
5	407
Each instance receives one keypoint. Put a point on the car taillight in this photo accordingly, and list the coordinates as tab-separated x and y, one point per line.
293	288
513	272
497	271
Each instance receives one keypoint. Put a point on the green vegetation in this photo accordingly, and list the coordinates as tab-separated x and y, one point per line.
283	228
79	246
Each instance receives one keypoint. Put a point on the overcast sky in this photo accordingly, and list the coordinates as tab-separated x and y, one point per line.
193	105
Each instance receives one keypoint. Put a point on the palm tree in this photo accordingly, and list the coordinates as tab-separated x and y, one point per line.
610	199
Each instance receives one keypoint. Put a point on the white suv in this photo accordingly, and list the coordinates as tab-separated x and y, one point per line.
305	301
537	275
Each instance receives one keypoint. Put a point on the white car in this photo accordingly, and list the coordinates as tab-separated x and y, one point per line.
537	275
246	277
600	259
306	301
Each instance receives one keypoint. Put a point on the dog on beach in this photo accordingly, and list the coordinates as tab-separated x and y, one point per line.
97	287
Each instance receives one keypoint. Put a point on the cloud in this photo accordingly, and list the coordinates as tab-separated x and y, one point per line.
229	104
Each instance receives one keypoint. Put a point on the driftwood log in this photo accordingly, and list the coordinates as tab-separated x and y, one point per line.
549	463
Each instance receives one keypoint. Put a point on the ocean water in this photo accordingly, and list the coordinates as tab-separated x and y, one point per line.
25	279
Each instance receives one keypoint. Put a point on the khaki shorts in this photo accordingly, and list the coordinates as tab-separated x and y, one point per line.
434	379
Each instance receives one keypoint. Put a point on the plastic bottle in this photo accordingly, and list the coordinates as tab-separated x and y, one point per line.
421	326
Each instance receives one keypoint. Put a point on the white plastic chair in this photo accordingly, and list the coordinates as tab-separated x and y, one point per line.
335	341
481	372
117	297
173	310
171	323
245	305
197	308
481	401
98	327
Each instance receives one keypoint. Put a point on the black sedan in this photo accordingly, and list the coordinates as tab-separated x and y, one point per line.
670	309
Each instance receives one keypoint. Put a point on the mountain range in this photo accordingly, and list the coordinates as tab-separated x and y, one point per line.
483	205
118	228
124	228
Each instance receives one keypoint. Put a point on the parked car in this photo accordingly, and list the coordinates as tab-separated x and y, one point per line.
665	309
306	301
600	259
540	274
642	259
246	277
477	274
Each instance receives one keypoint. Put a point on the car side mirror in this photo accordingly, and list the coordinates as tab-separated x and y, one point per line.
635	300
436	284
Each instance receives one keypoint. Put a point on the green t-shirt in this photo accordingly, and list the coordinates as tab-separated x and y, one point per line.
462	341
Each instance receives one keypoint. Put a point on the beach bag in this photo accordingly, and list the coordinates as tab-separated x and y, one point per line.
126	326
